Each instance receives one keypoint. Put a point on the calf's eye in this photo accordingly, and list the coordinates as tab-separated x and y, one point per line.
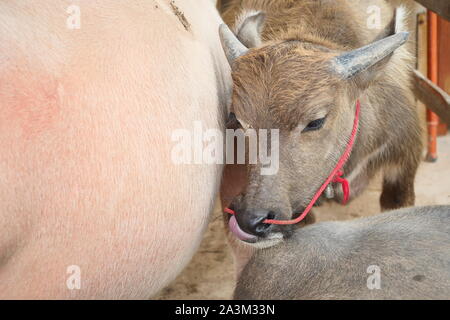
314	125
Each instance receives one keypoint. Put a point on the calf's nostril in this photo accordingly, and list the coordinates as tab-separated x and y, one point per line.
256	223
261	228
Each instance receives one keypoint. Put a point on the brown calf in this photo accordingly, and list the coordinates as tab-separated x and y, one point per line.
300	67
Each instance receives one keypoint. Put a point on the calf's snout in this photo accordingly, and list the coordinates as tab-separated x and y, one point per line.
252	221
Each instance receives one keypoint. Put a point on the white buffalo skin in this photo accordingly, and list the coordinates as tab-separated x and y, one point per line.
86	118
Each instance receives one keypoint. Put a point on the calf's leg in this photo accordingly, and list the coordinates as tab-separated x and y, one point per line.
398	186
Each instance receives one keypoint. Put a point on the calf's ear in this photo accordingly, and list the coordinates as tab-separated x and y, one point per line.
398	24
249	26
365	62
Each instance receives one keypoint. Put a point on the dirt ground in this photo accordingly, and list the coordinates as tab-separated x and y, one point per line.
210	274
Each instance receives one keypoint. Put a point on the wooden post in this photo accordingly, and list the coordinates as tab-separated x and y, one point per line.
432	118
444	65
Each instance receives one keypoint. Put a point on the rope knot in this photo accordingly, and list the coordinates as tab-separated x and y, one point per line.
344	184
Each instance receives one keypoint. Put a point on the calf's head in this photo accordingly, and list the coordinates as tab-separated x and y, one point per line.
308	91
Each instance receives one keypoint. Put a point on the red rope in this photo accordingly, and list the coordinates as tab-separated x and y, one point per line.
335	176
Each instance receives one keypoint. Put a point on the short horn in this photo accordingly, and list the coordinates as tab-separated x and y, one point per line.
231	45
349	64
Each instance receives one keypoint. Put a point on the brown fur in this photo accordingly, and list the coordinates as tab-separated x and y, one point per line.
287	83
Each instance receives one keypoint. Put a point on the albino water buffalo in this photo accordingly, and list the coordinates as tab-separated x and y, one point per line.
91	203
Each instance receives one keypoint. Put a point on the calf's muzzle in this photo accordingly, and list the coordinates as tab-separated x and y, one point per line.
252	221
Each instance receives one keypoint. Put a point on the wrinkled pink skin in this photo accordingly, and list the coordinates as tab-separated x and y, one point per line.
86	118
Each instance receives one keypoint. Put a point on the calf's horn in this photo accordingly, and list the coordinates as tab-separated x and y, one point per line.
231	45
353	62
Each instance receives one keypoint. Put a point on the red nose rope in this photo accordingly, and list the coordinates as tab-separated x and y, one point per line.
335	176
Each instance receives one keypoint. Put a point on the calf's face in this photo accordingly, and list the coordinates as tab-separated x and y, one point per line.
307	91
288	87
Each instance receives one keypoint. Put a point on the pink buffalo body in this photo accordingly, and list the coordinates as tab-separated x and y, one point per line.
86	118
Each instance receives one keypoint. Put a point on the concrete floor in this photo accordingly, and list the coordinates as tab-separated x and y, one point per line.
210	275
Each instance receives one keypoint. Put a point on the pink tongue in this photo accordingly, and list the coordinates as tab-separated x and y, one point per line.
237	231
